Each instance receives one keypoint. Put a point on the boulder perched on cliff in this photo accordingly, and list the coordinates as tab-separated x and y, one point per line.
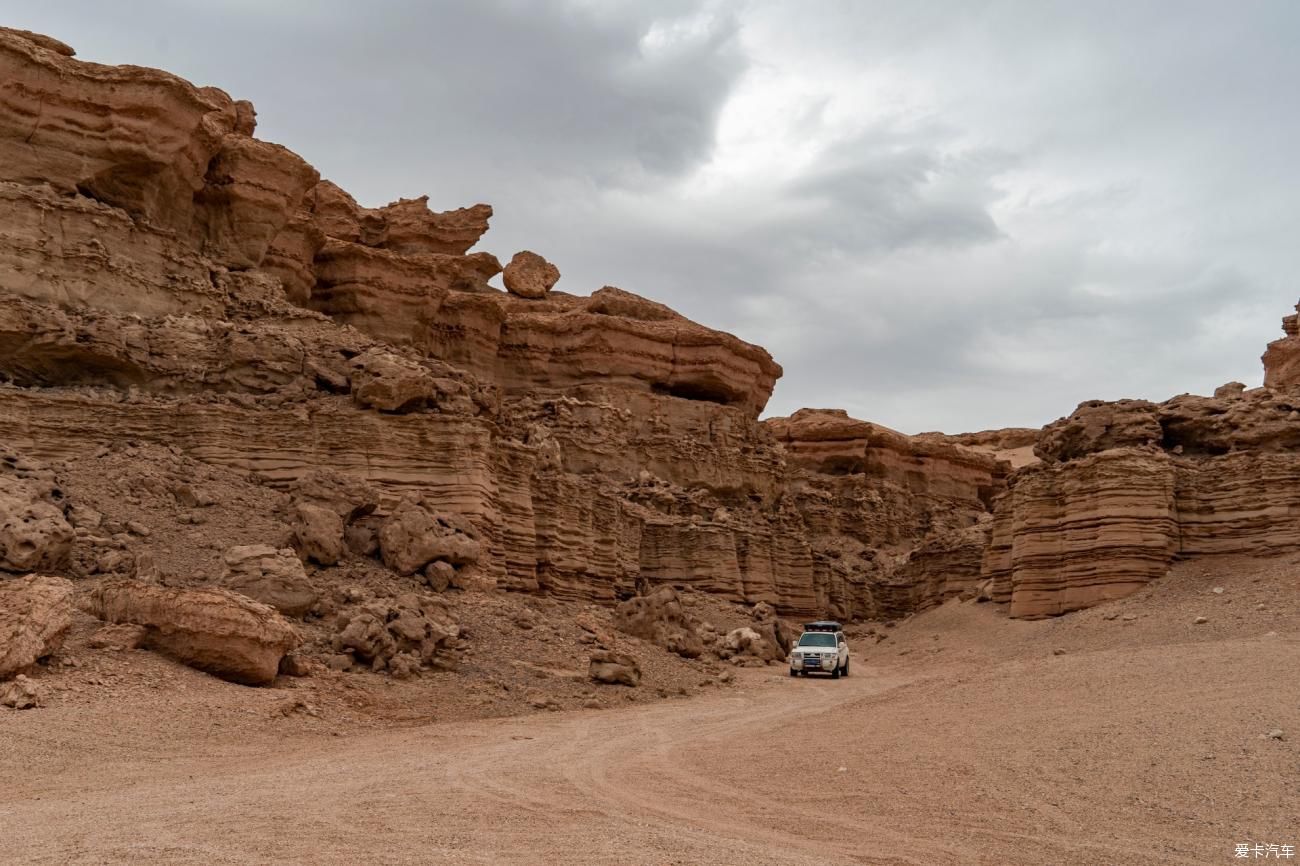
34	535
529	275
614	668
1229	390
660	618
399	635
35	616
215	630
416	534
271	576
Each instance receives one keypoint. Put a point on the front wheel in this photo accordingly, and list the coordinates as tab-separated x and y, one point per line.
835	674
846	667
793	672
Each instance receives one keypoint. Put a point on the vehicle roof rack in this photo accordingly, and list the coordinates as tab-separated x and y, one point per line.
822	625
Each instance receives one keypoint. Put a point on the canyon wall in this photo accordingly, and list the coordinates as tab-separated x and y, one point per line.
167	277
1125	487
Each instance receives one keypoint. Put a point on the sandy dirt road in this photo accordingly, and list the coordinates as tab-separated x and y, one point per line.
967	740
748	777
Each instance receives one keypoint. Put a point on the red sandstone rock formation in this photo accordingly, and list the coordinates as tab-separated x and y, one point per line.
167	277
1129	485
1282	357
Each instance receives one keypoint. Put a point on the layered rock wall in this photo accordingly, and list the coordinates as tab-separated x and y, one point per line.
1125	487
168	277
1077	533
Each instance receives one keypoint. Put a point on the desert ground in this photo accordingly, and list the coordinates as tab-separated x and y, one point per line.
1127	733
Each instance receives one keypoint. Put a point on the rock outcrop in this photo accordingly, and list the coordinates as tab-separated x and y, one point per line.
947	564
1282	357
1127	486
416	534
660	618
614	668
273	577
35	616
167	277
34	534
830	442
400	635
216	630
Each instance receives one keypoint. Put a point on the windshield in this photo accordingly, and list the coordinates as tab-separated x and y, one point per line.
817	638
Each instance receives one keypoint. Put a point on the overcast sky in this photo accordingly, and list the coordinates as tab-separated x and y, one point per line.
937	215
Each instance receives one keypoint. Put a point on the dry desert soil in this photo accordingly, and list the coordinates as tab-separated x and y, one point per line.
1127	733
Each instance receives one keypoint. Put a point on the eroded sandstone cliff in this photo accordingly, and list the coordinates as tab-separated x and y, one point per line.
1125	487
169	278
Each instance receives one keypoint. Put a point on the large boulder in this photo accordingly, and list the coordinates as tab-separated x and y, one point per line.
21	694
614	668
399	635
529	275
776	641
271	576
35	616
660	618
34	535
348	496
215	630
388	382
745	641
416	534
318	532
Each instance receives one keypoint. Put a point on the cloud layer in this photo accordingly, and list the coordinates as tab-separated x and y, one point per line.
938	215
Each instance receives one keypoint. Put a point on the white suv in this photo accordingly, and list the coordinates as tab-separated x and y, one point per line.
821	649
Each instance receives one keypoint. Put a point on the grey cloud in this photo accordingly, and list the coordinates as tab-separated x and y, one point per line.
1013	206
